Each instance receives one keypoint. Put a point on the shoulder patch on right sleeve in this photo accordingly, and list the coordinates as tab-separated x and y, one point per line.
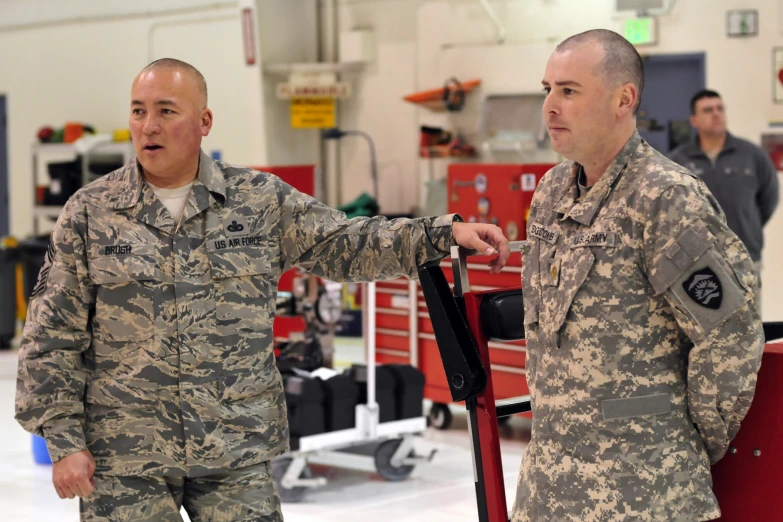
704	287
709	292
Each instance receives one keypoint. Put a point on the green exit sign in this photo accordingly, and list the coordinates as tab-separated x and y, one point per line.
641	31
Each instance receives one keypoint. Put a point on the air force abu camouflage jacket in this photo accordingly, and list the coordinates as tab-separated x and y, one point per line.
643	343
151	344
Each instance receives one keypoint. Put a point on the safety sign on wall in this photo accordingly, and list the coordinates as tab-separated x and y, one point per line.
312	113
528	182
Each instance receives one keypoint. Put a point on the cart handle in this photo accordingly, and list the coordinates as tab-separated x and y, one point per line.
465	373
512	406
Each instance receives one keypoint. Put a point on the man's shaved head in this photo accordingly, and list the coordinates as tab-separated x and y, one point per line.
174	64
621	62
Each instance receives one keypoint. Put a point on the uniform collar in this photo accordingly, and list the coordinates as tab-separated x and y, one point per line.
133	193
127	192
583	210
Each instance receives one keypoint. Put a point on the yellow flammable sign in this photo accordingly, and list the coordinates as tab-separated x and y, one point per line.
312	113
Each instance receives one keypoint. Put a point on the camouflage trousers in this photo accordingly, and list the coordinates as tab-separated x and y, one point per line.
242	495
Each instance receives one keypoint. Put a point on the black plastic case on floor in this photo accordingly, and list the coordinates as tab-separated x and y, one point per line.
409	390
8	259
304	397
340	398
322	405
385	385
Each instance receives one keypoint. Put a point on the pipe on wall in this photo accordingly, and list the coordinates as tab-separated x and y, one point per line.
7	28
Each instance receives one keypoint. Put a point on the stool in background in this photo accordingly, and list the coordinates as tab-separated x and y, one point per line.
40	451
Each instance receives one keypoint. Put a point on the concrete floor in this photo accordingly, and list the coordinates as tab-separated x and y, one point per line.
441	490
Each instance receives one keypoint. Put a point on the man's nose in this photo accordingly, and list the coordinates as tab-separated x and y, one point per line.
550	106
151	125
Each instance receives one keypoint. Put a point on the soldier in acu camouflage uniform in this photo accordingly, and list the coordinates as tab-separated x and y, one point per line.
643	337
147	359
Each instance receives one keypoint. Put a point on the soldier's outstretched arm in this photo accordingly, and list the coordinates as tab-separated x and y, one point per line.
708	279
323	241
51	373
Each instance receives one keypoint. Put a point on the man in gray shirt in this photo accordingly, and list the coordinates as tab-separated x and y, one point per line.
740	175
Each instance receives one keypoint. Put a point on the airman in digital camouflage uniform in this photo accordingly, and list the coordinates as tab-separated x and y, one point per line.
147	359
642	334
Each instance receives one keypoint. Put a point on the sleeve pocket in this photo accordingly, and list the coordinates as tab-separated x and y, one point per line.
679	255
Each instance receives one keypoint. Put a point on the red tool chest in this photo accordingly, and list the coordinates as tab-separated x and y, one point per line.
749	479
499	194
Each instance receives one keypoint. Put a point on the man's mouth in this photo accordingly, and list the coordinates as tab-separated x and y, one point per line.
152	147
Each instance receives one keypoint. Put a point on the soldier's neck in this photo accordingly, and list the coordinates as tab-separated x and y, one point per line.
595	167
711	143
170	180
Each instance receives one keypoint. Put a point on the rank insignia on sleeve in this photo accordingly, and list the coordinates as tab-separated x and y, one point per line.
43	275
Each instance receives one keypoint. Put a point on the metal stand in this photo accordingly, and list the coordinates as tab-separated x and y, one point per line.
386	448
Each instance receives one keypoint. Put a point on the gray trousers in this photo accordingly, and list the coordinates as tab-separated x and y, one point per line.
242	495
759	266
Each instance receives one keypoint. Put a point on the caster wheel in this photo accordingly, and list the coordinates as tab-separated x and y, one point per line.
383	465
295	494
440	416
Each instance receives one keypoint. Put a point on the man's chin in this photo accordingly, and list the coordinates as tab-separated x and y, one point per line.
148	167
563	151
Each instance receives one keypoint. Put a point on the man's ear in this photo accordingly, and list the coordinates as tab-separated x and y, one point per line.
629	95
206	122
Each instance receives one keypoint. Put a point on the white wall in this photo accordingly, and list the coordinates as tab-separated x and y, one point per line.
82	71
75	61
53	72
288	34
377	105
455	38
234	87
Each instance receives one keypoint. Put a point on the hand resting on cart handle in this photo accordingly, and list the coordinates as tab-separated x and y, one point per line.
513	246
485	239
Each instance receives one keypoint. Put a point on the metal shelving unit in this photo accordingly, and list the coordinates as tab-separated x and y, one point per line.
92	152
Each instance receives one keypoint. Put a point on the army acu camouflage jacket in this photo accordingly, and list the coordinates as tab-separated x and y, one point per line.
150	344
643	343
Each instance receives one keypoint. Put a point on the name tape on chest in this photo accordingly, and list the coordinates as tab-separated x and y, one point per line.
233	242
590	239
539	231
117	250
